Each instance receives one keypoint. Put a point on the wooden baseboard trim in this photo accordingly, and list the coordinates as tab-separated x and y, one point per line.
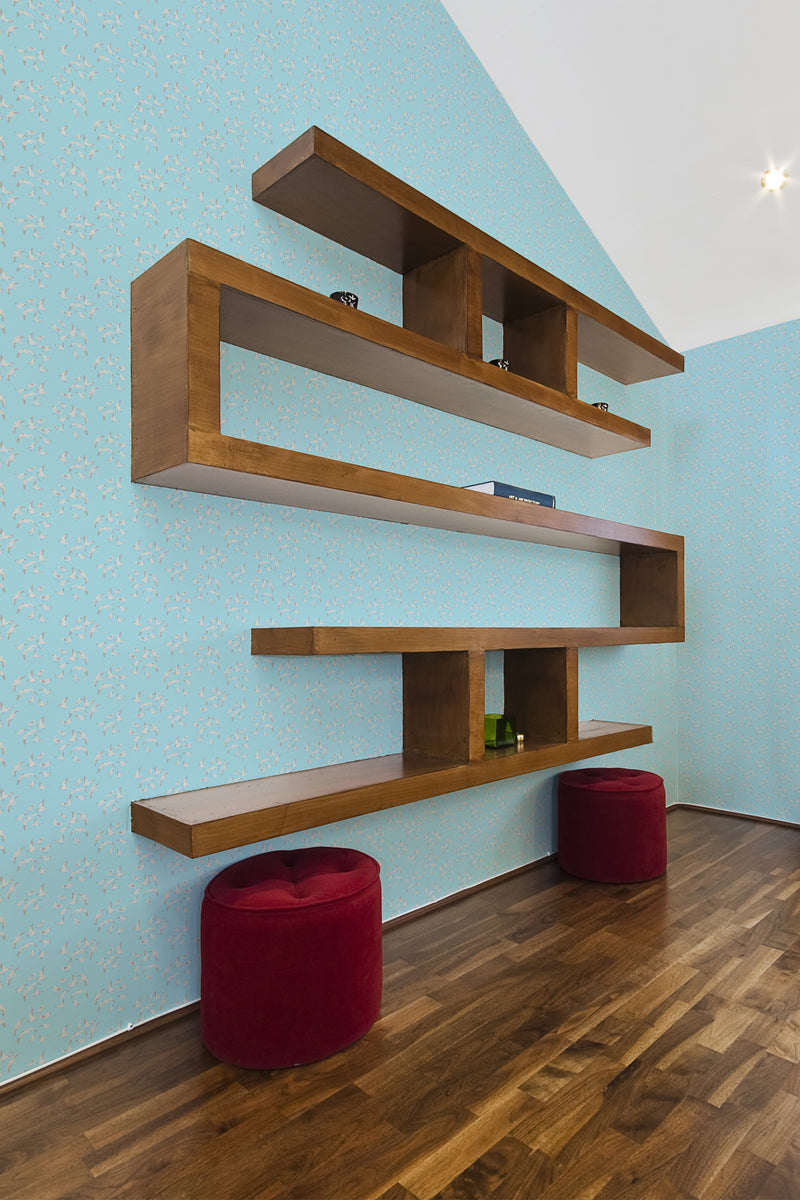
109	1043
393	922
116	1039
728	812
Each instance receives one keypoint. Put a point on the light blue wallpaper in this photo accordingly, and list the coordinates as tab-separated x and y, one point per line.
737	434
124	645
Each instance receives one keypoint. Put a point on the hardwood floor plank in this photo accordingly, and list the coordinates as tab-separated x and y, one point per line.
651	1169
582	1175
568	1109
635	1103
781	1038
728	1022
637	1037
434	1171
707	1153
781	1183
508	1170
169	1104
744	1176
397	1192
775	1128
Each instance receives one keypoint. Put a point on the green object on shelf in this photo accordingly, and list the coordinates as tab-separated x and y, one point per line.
499	730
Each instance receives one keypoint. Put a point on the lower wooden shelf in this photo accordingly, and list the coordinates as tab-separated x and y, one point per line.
311	641
210	820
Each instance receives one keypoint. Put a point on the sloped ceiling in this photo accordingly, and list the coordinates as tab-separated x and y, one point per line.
658	119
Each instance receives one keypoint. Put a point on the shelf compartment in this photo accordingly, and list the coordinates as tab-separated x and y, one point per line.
211	820
196	297
325	186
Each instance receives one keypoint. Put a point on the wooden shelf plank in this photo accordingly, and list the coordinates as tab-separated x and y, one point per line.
197	296
210	820
292	323
313	640
326	186
220	465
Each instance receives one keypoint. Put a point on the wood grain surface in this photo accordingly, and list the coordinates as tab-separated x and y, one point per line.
196	297
542	1038
326	186
208	820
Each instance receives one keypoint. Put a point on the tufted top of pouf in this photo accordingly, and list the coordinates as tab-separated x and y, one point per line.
612	779
293	878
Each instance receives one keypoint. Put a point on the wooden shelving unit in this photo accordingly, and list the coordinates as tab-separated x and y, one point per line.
443	750
196	297
188	300
453	273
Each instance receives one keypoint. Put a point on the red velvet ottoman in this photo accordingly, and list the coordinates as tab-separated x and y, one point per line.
612	824
291	956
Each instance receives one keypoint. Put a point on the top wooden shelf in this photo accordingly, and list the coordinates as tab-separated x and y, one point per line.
324	185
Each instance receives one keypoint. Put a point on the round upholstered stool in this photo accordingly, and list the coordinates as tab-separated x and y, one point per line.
612	824
291	956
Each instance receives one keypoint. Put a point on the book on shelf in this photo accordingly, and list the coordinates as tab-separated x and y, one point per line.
512	492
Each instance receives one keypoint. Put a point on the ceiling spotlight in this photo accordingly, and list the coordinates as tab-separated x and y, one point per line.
774	179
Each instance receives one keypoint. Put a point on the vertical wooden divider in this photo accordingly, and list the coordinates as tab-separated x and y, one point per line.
204	354
443	704
175	354
159	366
443	300
541	692
544	346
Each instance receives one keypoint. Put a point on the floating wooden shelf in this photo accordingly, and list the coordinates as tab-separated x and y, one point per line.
213	819
179	307
196	297
312	640
326	186
443	750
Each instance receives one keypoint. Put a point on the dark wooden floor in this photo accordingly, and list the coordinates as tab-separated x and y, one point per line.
545	1037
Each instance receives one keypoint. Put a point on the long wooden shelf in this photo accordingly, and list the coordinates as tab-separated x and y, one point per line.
196	296
225	466
214	819
180	308
330	188
314	640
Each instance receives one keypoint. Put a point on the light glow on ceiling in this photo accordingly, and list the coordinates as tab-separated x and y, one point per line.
774	179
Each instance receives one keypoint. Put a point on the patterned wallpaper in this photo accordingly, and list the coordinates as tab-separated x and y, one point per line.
737	434
124	645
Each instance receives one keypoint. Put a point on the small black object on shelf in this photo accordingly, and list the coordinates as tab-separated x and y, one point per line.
601	405
503	363
348	298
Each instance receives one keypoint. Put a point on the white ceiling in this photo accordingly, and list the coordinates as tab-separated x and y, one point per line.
658	120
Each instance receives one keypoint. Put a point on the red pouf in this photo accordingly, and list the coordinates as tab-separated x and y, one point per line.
612	824
291	956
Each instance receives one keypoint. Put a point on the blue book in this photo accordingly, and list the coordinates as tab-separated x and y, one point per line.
511	492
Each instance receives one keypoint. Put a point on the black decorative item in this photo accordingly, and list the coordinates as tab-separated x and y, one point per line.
601	405
502	363
348	298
